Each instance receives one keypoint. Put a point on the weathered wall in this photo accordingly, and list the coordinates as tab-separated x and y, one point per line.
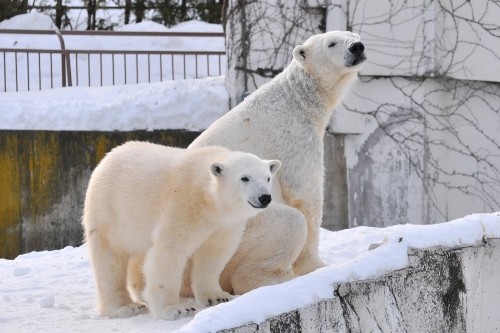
428	153
43	178
422	125
336	196
442	290
44	175
427	105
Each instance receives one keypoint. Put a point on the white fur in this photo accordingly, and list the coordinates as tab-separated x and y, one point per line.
286	119
161	206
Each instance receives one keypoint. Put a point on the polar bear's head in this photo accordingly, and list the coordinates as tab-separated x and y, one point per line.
244	181
331	53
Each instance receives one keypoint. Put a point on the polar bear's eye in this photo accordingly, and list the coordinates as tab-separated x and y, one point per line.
332	44
244	179
268	179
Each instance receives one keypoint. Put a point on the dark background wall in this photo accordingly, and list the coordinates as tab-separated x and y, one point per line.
43	178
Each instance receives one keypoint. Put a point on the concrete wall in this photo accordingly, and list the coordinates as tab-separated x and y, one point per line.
442	290
421	127
44	175
336	196
43	178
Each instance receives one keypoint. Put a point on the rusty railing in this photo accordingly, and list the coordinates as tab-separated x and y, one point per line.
25	69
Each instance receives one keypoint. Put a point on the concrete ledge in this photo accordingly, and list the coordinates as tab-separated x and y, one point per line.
443	290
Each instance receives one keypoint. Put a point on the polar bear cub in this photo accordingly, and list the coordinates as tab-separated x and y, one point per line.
162	206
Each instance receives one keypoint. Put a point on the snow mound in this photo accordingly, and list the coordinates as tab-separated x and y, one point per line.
184	104
47	301
196	26
32	21
148	26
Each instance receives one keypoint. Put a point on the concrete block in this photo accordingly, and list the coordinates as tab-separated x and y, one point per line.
442	290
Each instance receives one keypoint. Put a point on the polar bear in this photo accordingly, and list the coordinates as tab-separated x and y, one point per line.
161	206
286	119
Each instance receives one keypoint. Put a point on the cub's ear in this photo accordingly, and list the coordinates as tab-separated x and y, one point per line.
274	166
216	169
300	54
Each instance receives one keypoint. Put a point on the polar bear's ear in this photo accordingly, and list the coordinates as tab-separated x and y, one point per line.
216	169
274	166
299	54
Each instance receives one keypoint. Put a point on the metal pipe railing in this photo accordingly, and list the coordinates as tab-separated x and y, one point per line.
66	69
64	60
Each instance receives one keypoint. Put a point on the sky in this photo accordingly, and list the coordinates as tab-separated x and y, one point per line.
54	291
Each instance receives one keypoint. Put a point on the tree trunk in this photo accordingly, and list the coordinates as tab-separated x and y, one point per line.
139	10
128	8
59	13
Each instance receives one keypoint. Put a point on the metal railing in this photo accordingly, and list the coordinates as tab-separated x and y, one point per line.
28	69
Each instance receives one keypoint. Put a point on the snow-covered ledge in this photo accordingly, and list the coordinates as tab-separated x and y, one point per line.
442	290
425	278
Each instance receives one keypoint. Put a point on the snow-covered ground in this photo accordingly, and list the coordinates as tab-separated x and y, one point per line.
55	292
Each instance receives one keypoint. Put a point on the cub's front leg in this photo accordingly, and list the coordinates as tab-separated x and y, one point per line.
164	268
209	261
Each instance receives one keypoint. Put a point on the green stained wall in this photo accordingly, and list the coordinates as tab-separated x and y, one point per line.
43	177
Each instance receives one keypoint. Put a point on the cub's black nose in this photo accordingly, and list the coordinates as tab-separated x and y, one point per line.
265	199
357	48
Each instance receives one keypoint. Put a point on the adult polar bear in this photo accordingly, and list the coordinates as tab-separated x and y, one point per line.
286	119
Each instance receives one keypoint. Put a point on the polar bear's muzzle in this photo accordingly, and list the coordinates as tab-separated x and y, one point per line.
264	201
356	54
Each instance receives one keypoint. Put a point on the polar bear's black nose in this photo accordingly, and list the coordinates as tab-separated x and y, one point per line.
357	48
265	199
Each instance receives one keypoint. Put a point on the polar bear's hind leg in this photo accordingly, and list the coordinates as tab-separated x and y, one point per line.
110	269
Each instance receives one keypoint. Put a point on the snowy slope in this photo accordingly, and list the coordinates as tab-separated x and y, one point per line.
55	292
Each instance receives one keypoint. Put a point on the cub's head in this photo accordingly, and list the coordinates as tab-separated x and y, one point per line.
334	52
244	181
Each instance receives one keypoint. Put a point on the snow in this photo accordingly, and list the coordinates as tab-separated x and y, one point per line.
54	291
184	104
32	21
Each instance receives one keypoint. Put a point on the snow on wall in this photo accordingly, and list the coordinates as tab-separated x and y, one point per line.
422	125
442	290
184	104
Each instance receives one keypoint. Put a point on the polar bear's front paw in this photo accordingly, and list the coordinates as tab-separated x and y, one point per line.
215	298
175	312
126	311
